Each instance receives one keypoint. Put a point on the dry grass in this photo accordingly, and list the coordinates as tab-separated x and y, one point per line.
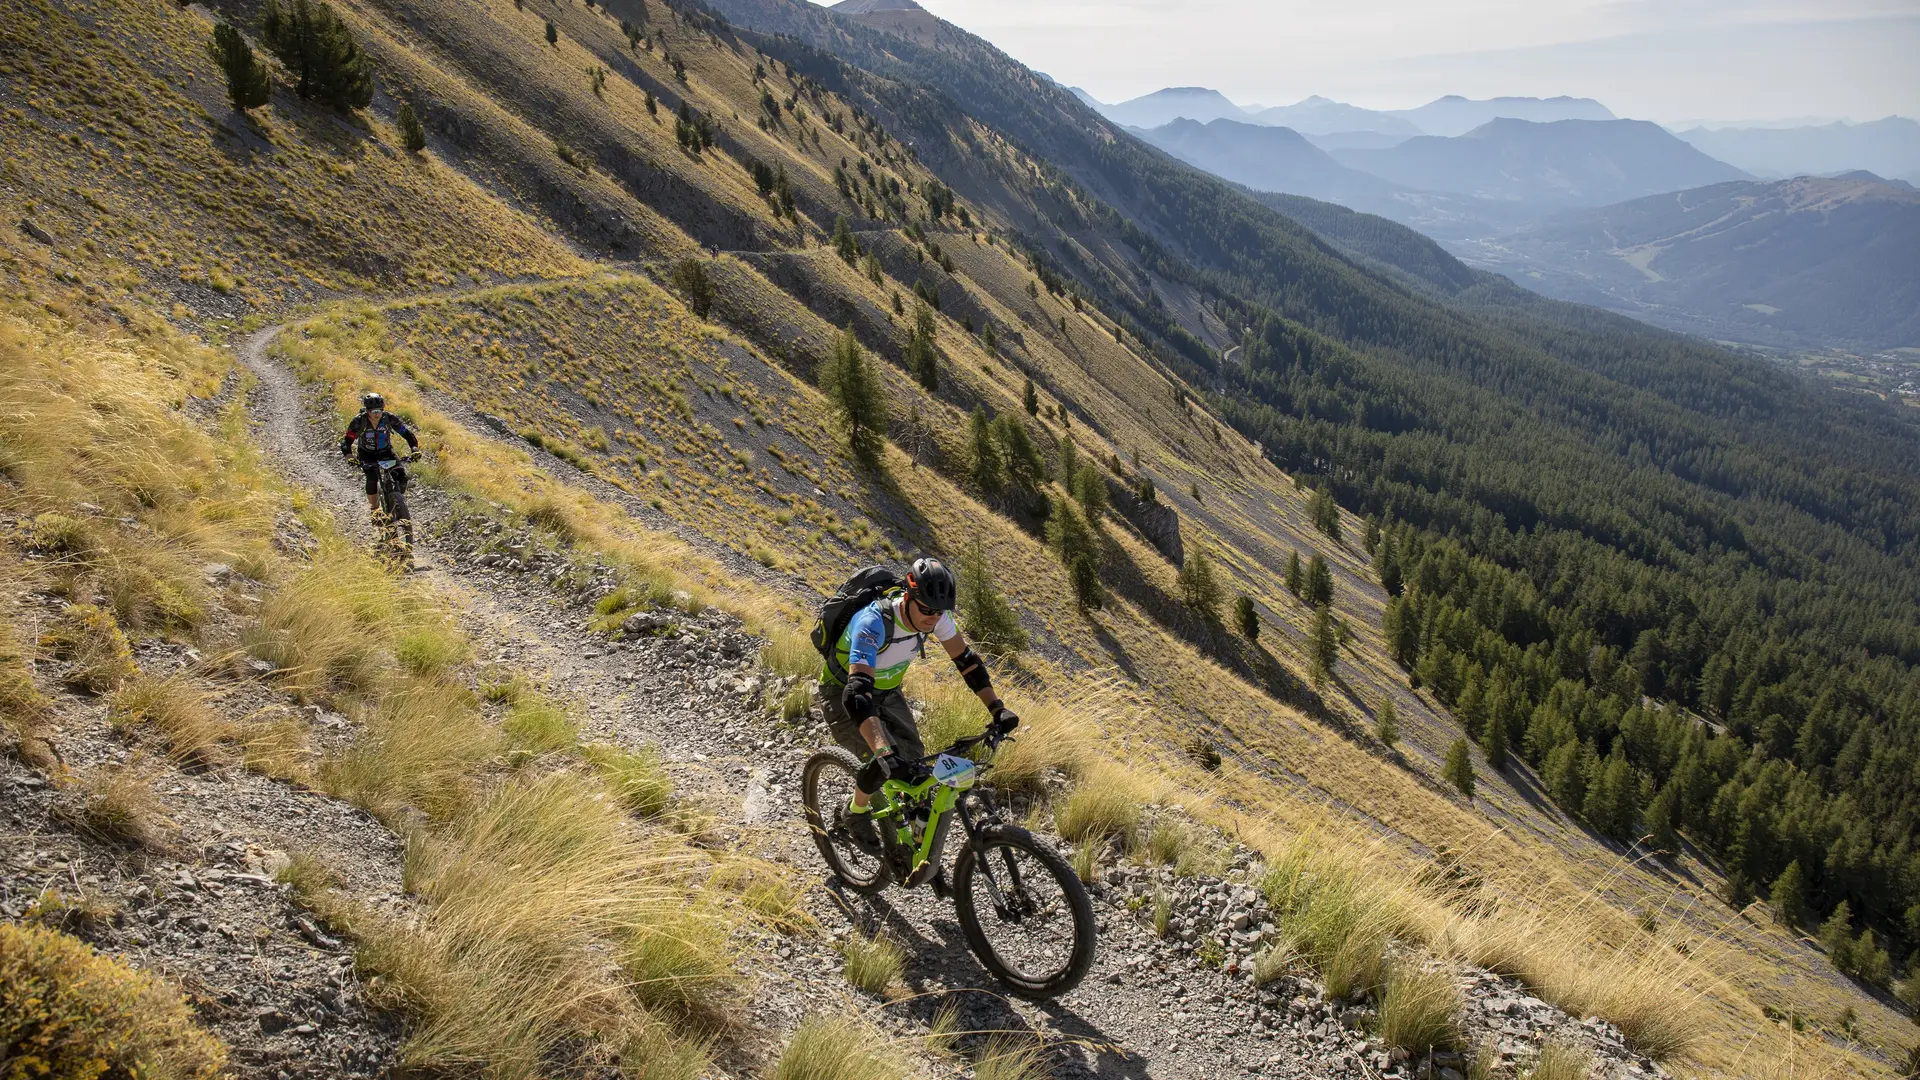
71	1012
419	747
1562	1061
1336	920
540	725
1007	1057
837	1048
634	776
194	731
115	804
1420	1008
1093	812
88	638
872	963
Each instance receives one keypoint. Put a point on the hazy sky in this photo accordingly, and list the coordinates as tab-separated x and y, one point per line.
1653	59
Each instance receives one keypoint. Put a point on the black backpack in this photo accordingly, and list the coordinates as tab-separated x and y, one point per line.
869	583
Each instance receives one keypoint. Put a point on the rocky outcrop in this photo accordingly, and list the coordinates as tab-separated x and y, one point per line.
1157	521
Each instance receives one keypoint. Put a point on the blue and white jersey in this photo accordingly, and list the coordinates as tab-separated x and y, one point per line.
873	638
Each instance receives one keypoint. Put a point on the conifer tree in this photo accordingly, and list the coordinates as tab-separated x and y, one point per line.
1611	803
1246	617
1493	743
985	468
1566	775
1293	578
1319	582
1386	724
849	382
1026	470
248	86
843	241
1662	818
1090	491
1459	767
1199	587
1836	936
1326	645
1030	397
922	360
312	41
553	34
1072	541
1789	896
1401	633
989	619
413	134
1325	513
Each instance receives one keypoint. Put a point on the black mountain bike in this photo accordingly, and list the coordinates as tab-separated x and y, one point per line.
1023	910
394	521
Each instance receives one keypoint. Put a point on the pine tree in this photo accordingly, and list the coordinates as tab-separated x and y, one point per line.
1072	540
1459	767
690	277
1663	819
312	41
1372	540
1493	743
553	34
1319	583
413	135
1611	803
1565	775
1386	724
843	241
989	619
1026	470
1199	587
985	469
1402	634
1293	578
1325	513
1836	936
849	381
1090	491
248	86
1246	617
1326	645
1030	396
1789	896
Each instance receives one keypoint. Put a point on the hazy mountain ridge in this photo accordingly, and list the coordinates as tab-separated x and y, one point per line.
1807	261
1889	147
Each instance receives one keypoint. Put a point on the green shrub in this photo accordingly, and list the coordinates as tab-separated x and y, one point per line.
248	86
1200	587
69	1012
695	285
58	534
413	134
1459	767
989	619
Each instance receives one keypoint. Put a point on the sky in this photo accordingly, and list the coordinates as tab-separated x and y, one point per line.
1664	60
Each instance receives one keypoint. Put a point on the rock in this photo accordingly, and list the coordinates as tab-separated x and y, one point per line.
261	667
36	232
217	573
273	1021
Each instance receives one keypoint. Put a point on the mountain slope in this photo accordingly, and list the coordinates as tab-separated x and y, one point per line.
1173	103
1266	159
1455	115
1320	116
1559	164
1804	261
1889	146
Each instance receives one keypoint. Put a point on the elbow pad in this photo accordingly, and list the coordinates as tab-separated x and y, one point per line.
973	670
858	697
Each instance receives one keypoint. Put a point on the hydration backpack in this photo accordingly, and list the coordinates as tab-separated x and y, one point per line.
869	583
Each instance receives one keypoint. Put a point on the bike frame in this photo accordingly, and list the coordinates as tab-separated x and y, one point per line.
896	819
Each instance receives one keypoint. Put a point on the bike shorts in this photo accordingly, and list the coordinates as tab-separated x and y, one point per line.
373	477
890	708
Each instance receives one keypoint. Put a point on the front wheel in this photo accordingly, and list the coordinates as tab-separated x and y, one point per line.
827	784
1024	912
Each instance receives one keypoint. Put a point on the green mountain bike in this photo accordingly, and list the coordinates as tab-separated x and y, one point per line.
1024	912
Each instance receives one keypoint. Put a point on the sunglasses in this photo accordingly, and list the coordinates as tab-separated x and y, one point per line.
925	611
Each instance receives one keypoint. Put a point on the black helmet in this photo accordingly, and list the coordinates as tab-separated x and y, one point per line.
931	583
371	401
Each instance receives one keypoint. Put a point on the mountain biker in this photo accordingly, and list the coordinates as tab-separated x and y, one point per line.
868	713
372	434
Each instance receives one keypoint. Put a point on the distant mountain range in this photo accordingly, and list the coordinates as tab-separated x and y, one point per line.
1319	116
1888	147
1565	163
1808	261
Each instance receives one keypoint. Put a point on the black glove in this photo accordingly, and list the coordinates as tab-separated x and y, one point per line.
415	456
1004	721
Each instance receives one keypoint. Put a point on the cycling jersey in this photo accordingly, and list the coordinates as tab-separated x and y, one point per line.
870	639
375	441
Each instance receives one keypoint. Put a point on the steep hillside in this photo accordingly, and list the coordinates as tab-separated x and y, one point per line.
1557	164
1800	262
638	417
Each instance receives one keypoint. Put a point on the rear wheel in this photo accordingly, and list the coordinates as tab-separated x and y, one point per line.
827	785
1024	912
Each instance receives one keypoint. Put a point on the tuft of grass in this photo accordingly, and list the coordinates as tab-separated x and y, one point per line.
23	708
546	511
276	748
1053	739
650	1050
1162	912
1331	916
679	966
89	638
1093	812
788	653
837	1048
633	776
1420	1008
76	914
55	533
539	725
71	1012
943	1031
797	701
1008	1057
1273	962
418	748
429	649
872	963
116	805
764	891
1562	1061
193	730
1086	862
